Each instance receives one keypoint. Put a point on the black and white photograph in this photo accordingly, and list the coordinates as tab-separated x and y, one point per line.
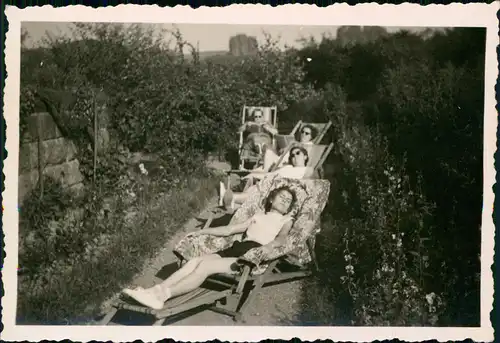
307	175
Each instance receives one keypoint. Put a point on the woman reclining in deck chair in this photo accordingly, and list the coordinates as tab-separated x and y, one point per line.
295	169
265	227
259	132
306	137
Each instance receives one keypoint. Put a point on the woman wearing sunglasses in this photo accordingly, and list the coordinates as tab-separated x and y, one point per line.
295	169
306	137
259	132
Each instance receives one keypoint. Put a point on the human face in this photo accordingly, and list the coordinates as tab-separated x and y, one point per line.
305	135
258	116
282	201
298	158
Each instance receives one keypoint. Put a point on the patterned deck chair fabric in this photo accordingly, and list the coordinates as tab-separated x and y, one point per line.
312	196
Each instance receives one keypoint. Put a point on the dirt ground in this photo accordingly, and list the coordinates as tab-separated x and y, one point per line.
274	305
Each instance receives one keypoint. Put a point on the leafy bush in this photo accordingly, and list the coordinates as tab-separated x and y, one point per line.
403	185
99	252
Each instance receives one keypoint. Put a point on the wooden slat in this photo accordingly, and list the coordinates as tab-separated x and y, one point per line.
323	132
135	308
275	277
107	318
297	126
186	297
206	299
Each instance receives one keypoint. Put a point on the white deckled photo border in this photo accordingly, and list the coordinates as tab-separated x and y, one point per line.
410	15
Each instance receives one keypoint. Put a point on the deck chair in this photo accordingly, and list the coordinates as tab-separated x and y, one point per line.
270	114
317	156
230	294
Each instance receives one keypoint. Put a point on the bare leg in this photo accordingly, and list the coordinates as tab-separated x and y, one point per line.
270	158
187	269
182	272
231	198
199	275
239	198
156	296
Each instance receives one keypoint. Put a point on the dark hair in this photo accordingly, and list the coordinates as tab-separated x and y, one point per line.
304	151
274	193
314	130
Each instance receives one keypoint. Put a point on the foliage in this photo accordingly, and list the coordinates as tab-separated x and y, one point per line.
41	239
404	187
87	258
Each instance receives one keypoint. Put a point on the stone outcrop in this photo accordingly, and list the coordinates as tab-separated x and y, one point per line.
57	158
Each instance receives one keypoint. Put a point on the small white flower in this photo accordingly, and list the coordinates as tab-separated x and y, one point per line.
143	169
393	236
430	298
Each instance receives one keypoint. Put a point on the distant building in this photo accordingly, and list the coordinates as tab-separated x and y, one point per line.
243	45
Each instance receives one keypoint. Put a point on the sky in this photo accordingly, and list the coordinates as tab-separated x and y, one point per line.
210	37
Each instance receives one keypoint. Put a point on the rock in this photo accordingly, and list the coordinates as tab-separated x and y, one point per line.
48	127
54	151
78	190
67	173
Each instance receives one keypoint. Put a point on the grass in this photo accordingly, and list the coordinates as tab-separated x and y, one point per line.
72	291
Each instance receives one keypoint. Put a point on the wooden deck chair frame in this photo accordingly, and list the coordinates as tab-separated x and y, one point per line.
239	291
322	129
273	112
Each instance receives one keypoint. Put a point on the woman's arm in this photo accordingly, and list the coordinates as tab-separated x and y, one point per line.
223	231
271	129
260	175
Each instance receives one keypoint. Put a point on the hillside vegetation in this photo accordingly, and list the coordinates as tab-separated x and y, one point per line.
400	242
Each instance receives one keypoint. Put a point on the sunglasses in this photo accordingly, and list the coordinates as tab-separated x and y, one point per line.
306	132
257	117
296	153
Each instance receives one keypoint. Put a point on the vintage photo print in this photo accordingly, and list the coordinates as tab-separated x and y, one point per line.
250	172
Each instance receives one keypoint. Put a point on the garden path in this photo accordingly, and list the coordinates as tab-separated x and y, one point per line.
274	305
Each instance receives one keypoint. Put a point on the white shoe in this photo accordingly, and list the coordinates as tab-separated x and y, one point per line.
145	297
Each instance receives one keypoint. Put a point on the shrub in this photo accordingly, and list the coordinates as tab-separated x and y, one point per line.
106	246
419	99
158	98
